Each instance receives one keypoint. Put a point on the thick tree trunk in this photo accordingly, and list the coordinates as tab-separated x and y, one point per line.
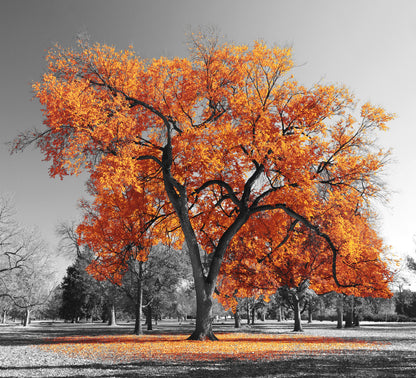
138	325
204	282
340	310
296	310
4	317
112	316
203	325
26	319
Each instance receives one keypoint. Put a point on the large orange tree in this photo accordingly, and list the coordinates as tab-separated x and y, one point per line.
226	134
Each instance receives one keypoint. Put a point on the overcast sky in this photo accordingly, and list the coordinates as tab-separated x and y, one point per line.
368	45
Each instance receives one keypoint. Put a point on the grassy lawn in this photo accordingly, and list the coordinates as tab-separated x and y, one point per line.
268	349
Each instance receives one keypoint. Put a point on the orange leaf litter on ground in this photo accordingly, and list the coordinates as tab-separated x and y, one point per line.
174	347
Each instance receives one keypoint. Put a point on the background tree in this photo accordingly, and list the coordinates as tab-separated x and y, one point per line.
81	294
226	134
14	251
122	239
5	306
164	272
30	285
51	309
182	301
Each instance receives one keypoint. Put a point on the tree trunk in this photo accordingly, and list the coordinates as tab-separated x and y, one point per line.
296	310
340	310
138	326
237	320
26	319
350	312
4	317
279	313
205	280
355	315
356	320
253	315
203	325
149	318
112	316
310	311
248	313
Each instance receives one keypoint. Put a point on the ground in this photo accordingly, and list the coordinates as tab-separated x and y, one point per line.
268	349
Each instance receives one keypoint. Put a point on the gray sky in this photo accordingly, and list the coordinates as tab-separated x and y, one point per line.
370	46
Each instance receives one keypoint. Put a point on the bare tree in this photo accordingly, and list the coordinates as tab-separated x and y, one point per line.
68	243
29	286
12	248
25	266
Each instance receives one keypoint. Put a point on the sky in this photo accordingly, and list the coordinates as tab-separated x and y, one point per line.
368	46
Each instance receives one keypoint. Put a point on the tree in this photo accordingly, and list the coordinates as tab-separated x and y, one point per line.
13	245
164	273
81	294
5	306
25	265
30	285
51	309
122	241
218	138
300	264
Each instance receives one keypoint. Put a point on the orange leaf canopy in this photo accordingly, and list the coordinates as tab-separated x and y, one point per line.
232	133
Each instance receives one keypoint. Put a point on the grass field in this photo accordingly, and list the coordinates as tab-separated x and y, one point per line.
268	349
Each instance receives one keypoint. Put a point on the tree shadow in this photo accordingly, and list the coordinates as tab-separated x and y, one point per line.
43	332
375	364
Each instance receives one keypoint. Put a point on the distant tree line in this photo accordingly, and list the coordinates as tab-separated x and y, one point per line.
168	293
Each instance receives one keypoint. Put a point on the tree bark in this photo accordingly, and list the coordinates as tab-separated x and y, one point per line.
279	314
248	313
310	311
4	317
340	310
203	325
237	320
112	317
26	319
356	320
138	326
296	310
350	313
149	318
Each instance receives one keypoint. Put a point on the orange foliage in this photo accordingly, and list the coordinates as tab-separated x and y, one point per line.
129	348
289	254
122	224
219	139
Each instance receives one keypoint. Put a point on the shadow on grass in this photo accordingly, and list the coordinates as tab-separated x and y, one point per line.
374	364
40	333
396	362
